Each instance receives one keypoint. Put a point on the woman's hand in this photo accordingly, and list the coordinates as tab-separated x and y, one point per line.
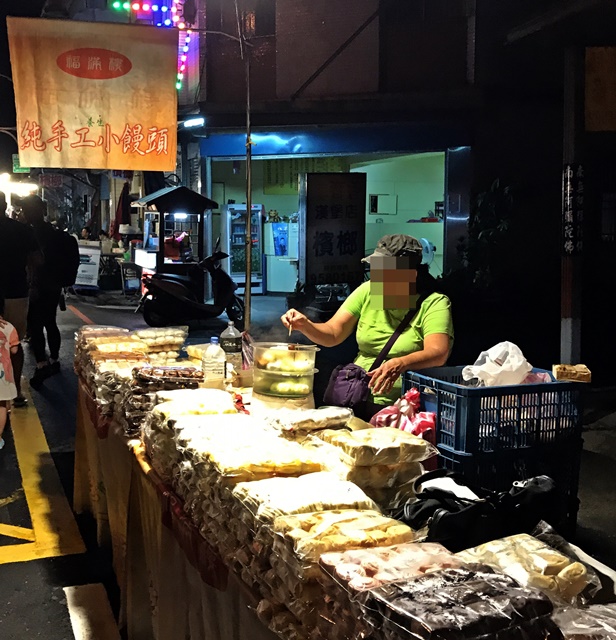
293	319
383	379
2	322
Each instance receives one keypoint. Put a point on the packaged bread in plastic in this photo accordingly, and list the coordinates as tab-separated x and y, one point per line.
169	377
308	420
269	499
533	563
360	569
196	351
460	603
381	476
255	459
223	400
116	343
383	446
309	535
93	333
162	339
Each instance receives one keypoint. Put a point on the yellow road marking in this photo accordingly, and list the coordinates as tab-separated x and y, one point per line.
14	497
16	532
55	530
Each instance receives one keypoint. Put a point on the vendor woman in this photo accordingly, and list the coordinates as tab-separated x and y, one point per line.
398	282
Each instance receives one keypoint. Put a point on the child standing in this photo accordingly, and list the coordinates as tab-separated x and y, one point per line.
9	341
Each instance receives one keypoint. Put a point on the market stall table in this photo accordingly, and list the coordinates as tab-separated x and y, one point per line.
172	583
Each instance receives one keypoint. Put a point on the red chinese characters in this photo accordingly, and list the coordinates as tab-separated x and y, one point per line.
31	136
94	64
134	140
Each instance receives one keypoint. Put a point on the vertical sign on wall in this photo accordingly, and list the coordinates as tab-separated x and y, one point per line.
332	228
573	209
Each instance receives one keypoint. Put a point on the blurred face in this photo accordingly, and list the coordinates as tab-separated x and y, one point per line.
393	284
84	233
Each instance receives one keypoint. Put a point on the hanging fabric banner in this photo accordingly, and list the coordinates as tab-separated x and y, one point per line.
94	95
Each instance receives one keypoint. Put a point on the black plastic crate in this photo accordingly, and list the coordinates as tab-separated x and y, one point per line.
497	471
489	419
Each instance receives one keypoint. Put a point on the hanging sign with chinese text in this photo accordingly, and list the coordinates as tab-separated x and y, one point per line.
94	95
332	227
573	209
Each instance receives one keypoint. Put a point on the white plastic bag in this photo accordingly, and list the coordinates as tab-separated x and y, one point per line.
503	364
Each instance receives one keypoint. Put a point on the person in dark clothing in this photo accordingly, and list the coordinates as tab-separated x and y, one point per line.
19	255
45	295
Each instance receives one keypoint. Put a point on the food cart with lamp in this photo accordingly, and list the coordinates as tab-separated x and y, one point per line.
177	225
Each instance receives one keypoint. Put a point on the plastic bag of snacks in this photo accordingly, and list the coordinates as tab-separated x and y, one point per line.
470	603
379	446
535	564
357	570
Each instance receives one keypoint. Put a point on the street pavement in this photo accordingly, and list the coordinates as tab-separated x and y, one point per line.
38	572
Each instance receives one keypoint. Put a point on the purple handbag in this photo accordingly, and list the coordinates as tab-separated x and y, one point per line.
348	383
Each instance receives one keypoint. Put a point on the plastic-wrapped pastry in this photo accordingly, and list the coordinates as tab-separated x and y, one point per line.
382	476
310	535
265	457
383	446
111	344
311	419
360	569
533	563
215	397
269	499
162	340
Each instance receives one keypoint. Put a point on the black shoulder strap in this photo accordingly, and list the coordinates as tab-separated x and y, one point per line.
390	343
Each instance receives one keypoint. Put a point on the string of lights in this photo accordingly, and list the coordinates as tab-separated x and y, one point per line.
164	14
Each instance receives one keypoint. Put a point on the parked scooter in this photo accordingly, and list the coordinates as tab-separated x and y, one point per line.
172	299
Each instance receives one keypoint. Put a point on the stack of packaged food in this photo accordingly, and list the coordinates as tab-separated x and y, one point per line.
159	433
384	462
348	574
241	451
297	505
470	602
164	344
300	540
138	397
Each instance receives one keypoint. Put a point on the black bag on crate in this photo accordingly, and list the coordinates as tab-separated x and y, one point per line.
462	522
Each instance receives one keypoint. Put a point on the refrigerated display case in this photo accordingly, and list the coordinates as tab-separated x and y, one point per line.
233	242
281	256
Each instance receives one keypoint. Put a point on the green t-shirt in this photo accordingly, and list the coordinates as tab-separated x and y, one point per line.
375	327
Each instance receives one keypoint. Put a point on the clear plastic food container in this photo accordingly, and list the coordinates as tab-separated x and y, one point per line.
285	358
283	384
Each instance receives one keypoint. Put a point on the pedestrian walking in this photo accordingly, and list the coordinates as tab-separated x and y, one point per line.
45	293
9	343
19	255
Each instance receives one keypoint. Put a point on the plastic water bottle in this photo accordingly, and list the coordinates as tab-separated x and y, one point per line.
231	342
214	363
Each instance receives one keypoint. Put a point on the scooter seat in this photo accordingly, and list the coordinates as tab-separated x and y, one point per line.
174	277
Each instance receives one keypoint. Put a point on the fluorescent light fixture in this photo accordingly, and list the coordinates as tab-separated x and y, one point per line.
180	216
194	122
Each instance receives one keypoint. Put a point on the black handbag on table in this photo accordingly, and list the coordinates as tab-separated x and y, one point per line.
461	523
348	383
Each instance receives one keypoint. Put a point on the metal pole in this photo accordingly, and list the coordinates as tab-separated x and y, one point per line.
247	290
